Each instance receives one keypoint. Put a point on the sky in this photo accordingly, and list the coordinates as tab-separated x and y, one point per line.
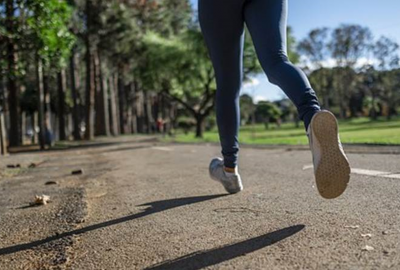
381	16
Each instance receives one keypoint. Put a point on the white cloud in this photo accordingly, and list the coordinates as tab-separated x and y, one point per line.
251	82
259	98
330	62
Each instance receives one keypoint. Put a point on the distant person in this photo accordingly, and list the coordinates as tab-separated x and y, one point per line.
222	23
160	125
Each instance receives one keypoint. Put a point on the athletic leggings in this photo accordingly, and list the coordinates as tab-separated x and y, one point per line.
222	23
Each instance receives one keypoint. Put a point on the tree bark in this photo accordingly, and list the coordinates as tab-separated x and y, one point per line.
61	104
13	90
199	126
75	98
40	88
47	101
113	107
148	112
3	137
90	90
134	107
140	112
35	124
102	125
130	97
104	98
122	103
3	130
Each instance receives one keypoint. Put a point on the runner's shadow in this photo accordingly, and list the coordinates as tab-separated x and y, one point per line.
202	259
153	207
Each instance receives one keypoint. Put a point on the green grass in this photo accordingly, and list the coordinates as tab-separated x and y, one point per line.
360	130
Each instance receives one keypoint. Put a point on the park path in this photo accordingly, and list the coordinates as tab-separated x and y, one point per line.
145	205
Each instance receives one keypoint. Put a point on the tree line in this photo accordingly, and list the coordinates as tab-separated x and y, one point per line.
353	73
363	77
75	69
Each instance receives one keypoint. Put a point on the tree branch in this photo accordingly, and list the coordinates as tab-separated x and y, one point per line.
187	106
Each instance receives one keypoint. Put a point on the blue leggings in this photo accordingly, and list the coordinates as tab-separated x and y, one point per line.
222	23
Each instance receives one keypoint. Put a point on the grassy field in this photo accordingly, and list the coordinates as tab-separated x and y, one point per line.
360	130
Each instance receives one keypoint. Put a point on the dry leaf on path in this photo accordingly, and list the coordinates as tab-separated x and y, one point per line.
366	235
41	200
13	166
367	248
352	226
51	183
79	171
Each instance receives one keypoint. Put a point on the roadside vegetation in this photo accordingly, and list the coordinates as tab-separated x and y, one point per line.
74	70
358	130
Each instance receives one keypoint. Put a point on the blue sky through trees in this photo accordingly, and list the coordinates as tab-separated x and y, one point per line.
382	17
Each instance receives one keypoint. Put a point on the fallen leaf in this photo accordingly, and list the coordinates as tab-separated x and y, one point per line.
80	171
41	200
366	235
34	165
50	183
367	248
13	166
352	226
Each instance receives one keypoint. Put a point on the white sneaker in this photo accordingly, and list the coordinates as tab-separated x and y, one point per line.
331	166
232	182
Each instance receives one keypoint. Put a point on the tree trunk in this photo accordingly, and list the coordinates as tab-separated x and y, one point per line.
148	110
113	107
40	90
90	91
199	125
130	97
104	98
101	99
61	104
13	91
23	127
3	137
35	124
134	107
140	112
47	102
74	92
122	103
3	130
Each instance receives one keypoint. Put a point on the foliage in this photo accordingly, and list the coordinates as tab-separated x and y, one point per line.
48	26
349	42
358	130
247	108
268	112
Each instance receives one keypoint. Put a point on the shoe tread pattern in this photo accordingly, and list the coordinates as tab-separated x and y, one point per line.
333	171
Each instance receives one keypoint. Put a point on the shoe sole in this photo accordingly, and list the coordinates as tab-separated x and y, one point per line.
333	172
238	185
237	189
